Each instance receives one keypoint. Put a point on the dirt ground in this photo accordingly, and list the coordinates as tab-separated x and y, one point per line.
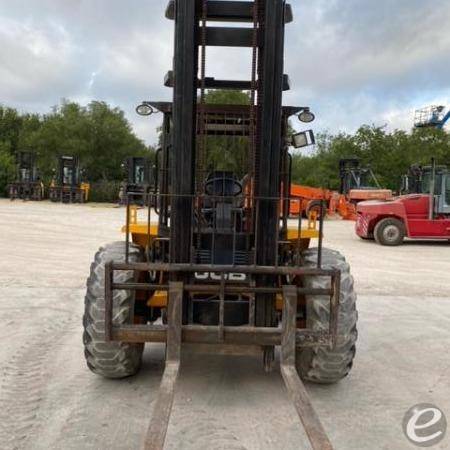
49	399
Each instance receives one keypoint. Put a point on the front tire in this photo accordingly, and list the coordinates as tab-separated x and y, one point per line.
110	359
321	364
390	232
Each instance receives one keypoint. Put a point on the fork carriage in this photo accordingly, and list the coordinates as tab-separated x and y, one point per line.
222	333
288	336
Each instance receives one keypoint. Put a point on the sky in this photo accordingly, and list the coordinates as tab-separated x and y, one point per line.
353	62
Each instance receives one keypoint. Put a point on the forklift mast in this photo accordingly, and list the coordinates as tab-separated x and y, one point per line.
353	176
193	120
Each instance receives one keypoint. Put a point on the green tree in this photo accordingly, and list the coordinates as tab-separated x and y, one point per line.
10	126
98	134
388	154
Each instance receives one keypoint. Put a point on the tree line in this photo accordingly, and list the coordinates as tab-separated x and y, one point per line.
103	138
389	154
98	134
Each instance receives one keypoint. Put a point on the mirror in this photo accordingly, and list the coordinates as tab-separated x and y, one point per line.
144	109
306	116
303	139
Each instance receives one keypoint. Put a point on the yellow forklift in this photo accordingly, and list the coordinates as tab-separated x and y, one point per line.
67	185
215	259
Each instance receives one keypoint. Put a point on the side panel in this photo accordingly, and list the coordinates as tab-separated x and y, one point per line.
418	224
424	228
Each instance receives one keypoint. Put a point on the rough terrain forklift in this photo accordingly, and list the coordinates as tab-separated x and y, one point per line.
140	180
67	185
28	184
223	265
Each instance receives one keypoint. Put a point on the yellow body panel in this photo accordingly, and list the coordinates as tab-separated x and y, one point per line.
305	233
158	300
85	187
143	229
279	302
141	233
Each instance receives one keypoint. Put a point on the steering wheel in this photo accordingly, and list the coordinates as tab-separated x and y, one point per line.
220	186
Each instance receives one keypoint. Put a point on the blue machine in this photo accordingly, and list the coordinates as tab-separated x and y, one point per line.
431	116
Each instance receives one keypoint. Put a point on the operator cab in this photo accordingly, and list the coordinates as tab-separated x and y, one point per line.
420	179
442	192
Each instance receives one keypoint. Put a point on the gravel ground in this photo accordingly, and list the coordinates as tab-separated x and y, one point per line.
49	399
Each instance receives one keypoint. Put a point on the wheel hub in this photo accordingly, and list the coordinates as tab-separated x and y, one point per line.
391	233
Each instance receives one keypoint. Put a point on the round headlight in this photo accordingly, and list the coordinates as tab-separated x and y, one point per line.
306	116
144	109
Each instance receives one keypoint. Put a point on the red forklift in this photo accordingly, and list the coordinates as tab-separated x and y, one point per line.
421	215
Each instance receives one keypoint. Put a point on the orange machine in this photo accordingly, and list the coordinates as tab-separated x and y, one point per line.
357	184
306	199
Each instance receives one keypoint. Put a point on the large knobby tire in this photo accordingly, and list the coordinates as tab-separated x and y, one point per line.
110	359
389	232
323	364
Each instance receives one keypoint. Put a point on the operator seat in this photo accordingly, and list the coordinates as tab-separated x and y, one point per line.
223	196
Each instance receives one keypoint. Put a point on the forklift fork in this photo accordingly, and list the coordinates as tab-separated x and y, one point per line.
157	430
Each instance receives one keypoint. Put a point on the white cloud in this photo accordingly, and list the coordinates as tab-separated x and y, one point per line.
353	61
33	59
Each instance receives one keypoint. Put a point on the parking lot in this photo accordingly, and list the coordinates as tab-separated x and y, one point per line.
50	400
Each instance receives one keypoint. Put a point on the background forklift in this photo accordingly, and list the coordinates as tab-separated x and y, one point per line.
67	185
356	184
28	184
222	264
360	183
140	180
421	215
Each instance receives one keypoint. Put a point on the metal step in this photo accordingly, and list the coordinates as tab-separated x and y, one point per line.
228	11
